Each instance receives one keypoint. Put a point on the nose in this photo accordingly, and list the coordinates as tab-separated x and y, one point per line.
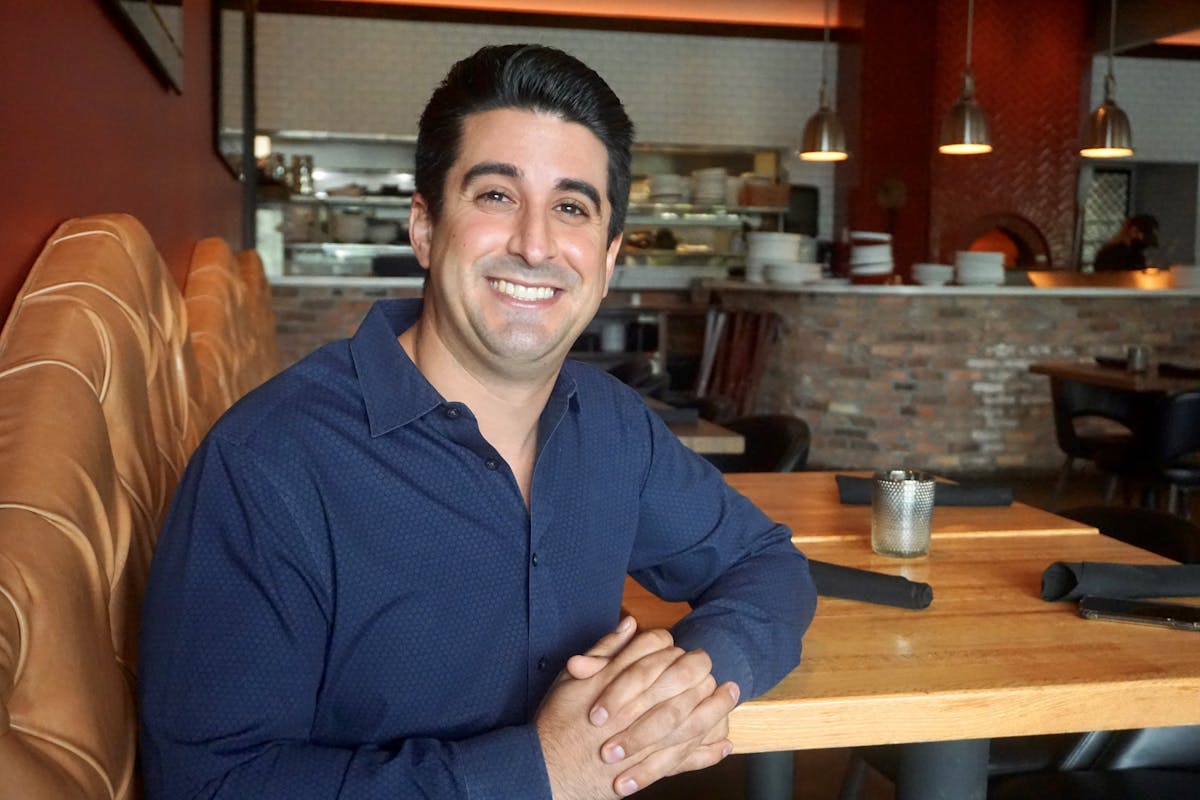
533	237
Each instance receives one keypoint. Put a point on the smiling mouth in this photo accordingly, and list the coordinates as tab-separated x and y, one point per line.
520	292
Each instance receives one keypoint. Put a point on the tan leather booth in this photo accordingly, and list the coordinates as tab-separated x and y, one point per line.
231	322
102	400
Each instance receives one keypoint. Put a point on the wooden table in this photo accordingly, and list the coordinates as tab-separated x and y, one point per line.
987	658
1113	377
703	436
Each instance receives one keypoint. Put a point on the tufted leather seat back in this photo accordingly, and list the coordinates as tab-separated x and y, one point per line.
96	425
231	323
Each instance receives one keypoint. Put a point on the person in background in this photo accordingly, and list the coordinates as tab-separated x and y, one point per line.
396	569
1127	249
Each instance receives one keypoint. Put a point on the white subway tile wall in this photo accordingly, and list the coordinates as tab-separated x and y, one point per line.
357	75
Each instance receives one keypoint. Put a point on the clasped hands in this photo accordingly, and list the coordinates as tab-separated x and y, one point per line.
631	710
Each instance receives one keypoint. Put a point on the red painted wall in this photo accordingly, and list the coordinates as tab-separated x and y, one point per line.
1032	63
87	128
899	76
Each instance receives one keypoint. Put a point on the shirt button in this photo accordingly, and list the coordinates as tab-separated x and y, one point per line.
535	559
492	463
452	413
543	662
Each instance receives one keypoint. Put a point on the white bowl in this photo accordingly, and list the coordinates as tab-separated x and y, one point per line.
772	246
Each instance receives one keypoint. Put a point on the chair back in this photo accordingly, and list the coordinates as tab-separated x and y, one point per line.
774	443
1075	400
1176	430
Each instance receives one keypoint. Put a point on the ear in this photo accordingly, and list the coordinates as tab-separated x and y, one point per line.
420	230
610	260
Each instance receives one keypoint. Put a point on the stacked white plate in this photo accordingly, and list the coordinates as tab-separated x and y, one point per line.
667	188
793	272
932	274
709	186
870	253
769	247
979	268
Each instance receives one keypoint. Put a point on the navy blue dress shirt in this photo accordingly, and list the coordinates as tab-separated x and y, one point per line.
351	599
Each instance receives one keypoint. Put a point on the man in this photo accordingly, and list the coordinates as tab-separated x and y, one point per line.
395	569
1127	249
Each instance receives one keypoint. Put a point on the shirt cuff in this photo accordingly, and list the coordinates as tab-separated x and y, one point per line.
505	763
729	663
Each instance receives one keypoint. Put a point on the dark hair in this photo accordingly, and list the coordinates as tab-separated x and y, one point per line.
531	77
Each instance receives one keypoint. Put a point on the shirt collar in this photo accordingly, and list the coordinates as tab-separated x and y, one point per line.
394	390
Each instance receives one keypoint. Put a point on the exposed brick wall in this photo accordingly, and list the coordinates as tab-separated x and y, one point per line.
307	317
888	377
941	381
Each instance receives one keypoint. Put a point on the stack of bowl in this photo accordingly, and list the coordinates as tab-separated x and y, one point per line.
667	188
932	274
708	186
979	268
870	257
769	247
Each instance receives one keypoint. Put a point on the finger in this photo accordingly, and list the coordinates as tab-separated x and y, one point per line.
691	716
585	665
611	643
653	679
630	686
672	761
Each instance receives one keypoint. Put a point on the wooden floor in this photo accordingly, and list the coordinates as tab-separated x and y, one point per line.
819	773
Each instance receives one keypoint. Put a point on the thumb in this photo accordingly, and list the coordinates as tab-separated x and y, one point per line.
597	657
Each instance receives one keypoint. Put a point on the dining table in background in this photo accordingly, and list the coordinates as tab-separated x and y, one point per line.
988	658
699	434
1116	377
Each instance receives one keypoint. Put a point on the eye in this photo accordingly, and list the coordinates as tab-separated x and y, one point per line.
492	196
573	209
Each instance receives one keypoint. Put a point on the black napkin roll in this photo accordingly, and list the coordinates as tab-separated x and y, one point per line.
1071	581
849	583
856	491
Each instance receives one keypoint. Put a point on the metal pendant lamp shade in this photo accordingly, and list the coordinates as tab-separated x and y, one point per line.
1109	134
823	139
965	129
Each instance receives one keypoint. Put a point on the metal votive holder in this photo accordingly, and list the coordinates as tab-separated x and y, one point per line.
901	513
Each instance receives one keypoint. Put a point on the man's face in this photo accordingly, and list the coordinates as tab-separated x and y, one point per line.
518	259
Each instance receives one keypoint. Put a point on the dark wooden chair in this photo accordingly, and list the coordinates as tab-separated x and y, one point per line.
1111	448
1173	449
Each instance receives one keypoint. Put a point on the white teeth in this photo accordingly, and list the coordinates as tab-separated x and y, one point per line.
518	292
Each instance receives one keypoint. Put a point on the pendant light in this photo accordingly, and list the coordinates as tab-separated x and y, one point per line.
1109	135
824	139
965	128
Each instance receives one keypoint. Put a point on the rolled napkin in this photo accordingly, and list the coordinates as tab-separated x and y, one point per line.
856	491
849	583
1070	581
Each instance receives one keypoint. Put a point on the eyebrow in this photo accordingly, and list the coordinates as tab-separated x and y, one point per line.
512	171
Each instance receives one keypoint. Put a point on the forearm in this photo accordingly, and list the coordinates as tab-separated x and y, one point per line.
752	619
496	765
